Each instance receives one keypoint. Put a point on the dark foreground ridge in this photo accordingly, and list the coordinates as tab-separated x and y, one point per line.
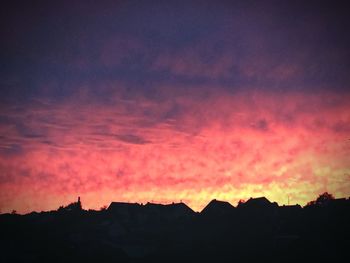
254	231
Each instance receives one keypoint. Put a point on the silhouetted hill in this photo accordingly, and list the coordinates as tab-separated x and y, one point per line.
254	231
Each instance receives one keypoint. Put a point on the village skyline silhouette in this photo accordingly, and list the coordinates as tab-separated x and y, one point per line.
256	229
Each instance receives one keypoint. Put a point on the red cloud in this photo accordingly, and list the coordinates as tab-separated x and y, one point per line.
227	146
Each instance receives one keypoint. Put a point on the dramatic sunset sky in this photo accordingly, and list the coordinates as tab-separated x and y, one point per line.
160	101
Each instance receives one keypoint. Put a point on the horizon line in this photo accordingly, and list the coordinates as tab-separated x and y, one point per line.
105	207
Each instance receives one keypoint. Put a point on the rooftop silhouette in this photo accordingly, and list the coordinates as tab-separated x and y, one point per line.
254	230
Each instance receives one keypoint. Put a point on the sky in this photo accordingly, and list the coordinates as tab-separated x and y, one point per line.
169	101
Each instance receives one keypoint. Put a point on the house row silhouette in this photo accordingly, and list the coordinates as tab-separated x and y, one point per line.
217	208
254	230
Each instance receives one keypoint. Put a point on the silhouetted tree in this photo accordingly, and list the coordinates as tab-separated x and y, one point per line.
240	202
322	199
103	208
75	206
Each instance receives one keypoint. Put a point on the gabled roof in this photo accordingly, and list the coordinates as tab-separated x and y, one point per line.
258	202
169	208
216	206
297	206
174	210
180	207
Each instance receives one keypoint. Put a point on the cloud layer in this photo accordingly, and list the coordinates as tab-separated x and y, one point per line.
225	146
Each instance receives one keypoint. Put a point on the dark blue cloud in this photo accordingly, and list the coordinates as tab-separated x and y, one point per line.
132	138
11	149
53	49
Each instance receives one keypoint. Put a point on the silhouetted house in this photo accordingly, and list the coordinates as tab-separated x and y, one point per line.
288	211
329	203
116	230
178	210
291	208
288	232
169	211
122	206
258	203
216	207
124	210
260	207
339	203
